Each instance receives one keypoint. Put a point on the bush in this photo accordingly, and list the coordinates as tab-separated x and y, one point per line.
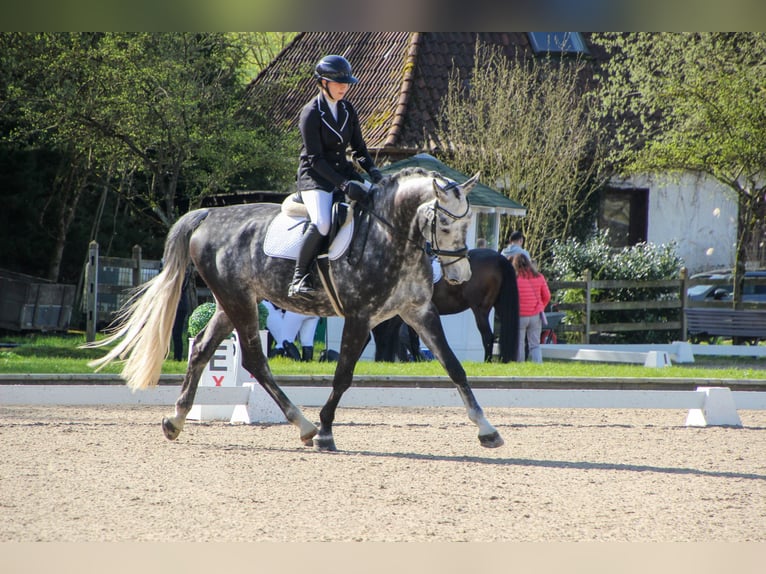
642	262
202	314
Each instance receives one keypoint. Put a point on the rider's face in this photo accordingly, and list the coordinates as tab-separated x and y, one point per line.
336	90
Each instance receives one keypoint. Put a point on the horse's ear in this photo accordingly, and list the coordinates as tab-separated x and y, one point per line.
469	185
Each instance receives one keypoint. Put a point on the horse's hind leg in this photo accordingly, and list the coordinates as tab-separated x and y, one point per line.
202	350
431	332
254	361
487	337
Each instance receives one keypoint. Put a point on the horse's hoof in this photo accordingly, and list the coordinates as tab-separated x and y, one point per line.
325	444
493	440
307	439
170	430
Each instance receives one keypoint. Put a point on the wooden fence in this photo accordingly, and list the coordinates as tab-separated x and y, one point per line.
108	282
672	300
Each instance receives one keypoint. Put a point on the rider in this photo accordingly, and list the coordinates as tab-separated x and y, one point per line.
328	125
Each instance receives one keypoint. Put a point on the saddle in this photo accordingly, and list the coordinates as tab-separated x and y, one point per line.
285	232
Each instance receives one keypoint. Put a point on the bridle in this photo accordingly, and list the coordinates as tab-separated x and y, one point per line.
432	247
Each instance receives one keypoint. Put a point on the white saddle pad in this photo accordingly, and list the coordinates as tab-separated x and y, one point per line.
285	232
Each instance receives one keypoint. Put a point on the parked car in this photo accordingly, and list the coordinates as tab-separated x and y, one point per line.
751	293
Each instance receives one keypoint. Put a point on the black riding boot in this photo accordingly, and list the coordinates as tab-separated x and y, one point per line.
308	354
291	351
302	285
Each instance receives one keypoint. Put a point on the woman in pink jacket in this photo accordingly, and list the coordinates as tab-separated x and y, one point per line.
534	296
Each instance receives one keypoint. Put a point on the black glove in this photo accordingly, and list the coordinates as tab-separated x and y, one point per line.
357	192
375	175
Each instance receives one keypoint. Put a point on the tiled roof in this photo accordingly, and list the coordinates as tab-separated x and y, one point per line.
403	77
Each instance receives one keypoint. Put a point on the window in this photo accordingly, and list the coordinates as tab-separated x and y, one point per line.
486	224
557	42
625	213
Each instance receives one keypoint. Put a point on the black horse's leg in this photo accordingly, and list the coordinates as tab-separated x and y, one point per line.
352	343
487	337
254	361
202	350
430	329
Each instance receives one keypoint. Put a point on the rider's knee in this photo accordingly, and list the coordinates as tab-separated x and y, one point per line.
323	227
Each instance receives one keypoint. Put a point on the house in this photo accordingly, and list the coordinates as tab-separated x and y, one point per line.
403	77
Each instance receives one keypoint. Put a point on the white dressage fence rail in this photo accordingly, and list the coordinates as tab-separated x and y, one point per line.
707	406
650	354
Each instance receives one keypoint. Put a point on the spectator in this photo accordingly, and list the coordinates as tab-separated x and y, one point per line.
285	327
534	296
515	245
179	323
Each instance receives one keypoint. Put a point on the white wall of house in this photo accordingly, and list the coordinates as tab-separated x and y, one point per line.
695	211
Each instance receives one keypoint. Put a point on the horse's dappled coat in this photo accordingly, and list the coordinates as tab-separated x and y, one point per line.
392	276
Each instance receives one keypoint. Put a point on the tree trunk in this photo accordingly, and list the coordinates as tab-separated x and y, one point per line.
746	223
71	182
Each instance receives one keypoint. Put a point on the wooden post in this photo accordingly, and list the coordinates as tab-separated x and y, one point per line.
588	278
136	265
91	294
682	297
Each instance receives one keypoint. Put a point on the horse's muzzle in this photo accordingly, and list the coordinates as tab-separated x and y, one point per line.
458	272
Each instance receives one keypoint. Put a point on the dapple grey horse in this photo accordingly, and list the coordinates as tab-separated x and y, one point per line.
414	213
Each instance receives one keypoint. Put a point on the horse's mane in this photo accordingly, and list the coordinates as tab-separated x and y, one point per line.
408	172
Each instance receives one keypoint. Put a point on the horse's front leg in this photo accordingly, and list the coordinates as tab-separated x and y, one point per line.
430	329
202	350
353	340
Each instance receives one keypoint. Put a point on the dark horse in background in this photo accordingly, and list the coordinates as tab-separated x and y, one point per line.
389	275
492	284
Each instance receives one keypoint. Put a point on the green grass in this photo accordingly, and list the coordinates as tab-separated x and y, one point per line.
60	354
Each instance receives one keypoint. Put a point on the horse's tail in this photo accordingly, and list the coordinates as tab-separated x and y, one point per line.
144	324
507	310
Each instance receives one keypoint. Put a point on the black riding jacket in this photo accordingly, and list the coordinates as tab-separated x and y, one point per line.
323	163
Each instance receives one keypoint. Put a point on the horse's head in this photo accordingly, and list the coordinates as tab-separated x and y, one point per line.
447	219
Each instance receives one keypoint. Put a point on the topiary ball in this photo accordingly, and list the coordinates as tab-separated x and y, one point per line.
200	317
263	313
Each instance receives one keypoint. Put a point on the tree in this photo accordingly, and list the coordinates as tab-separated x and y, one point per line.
155	117
692	101
526	126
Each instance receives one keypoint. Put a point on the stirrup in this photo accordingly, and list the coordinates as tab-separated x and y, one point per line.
301	288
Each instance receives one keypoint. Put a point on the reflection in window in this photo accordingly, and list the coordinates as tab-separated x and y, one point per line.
557	42
485	228
625	213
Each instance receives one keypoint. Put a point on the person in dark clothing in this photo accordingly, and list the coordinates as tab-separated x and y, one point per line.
182	311
329	125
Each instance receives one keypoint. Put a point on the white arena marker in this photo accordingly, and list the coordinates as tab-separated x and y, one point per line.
260	408
656	359
719	409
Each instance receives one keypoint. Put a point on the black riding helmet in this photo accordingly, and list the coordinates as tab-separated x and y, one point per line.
334	69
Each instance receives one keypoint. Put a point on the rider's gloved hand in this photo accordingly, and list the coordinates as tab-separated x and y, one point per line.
359	192
375	175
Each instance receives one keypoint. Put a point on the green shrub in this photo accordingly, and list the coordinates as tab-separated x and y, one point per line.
641	262
200	317
202	314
